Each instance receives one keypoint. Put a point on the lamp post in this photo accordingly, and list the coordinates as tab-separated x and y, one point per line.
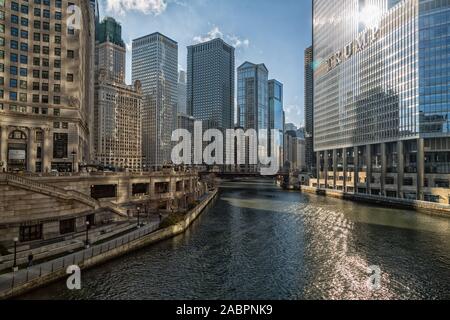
87	234
15	268
138	217
73	153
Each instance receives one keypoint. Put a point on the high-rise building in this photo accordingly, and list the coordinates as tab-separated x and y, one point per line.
46	86
155	64
182	92
381	103
118	107
210	83
253	103
309	110
276	118
110	51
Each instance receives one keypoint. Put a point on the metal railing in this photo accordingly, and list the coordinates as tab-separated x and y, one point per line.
14	280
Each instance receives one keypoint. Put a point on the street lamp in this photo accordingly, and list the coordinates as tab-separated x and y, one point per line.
15	268
138	217
87	234
74	153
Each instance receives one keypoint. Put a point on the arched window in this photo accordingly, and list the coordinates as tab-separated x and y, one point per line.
17	135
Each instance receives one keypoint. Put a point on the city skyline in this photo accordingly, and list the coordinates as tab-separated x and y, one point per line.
260	43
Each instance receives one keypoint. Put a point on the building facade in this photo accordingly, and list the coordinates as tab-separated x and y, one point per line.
309	110
155	65
253	103
182	92
276	121
210	84
46	86
381	103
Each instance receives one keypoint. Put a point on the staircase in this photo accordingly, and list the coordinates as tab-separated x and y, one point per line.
52	191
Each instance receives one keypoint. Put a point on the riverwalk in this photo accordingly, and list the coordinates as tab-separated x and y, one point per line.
16	283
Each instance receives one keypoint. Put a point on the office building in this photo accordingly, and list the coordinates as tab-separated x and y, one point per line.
309	110
118	107
276	115
155	64
46	86
210	84
381	102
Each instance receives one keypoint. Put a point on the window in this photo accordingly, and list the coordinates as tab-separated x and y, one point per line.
70	54
30	233
14	19
24	46
14	44
23	72
13	83
14	32
56	100
23	97
60	143
56	112
23	84
67	226
13	96
70	77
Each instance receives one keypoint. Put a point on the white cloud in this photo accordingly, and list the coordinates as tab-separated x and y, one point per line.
212	34
119	7
129	46
215	32
237	43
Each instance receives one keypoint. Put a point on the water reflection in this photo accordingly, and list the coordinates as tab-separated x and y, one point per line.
259	242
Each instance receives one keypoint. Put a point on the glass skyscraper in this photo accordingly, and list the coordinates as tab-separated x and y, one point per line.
155	65
381	108
210	84
276	118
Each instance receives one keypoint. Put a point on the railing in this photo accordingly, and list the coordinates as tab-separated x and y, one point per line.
51	189
11	281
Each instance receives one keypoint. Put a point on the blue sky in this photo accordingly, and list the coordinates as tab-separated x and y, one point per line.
263	31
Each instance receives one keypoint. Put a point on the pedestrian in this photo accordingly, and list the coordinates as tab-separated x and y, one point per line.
30	259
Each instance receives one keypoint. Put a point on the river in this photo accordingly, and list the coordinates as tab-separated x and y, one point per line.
257	241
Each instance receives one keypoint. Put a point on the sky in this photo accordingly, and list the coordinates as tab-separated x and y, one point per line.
275	33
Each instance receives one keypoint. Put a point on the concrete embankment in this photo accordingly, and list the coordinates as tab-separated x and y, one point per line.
89	261
422	206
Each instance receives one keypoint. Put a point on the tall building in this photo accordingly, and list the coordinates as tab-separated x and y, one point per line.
118	107
110	51
253	102
182	92
309	110
295	151
210	83
381	103
155	64
46	86
276	114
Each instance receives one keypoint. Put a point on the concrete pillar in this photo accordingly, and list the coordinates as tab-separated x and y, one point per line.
48	150
356	168
369	168
335	169
400	168
420	168
4	148
344	158
383	169
32	151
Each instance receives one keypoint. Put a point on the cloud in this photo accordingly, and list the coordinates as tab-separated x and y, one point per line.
212	34
129	46
237	43
215	32
154	7
294	114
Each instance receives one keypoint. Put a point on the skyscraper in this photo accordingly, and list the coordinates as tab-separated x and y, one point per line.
309	110
276	117
155	64
253	102
182	92
381	103
110	51
118	107
210	83
46	87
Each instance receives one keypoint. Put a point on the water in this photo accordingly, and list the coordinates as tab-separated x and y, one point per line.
259	242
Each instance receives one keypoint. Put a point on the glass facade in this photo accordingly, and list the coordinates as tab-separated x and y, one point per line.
276	116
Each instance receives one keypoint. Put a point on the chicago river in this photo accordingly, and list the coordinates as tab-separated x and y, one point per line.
257	241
